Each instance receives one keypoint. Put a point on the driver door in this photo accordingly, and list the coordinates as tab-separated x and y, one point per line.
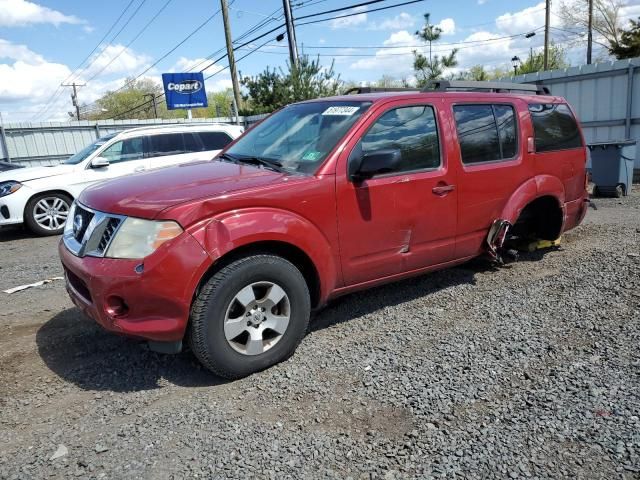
400	220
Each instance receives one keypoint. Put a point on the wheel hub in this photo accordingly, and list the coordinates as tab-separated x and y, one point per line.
256	316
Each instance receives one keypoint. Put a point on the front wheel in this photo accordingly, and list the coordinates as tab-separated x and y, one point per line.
47	213
250	315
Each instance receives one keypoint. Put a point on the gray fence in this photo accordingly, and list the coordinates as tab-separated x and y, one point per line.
32	144
606	97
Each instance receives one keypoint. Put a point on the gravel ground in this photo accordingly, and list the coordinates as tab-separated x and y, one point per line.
532	370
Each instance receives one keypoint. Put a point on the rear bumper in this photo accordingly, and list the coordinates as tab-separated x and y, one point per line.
158	300
575	211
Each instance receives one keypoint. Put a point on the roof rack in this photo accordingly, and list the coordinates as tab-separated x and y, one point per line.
495	87
360	90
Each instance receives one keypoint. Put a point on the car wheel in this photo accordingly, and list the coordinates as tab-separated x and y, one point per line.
619	192
46	214
250	315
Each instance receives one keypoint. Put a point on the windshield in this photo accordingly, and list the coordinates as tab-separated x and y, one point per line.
88	150
299	137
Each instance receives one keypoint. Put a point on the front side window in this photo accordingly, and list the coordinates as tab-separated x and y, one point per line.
88	150
486	133
555	127
124	151
413	131
299	137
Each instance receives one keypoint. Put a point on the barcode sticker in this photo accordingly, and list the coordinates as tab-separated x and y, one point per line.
341	110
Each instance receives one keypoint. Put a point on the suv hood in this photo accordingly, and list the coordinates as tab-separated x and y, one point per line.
146	194
34	173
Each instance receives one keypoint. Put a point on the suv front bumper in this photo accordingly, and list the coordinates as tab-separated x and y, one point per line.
153	304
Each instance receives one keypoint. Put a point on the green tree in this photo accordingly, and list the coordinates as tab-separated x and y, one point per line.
535	61
431	68
629	44
275	88
476	73
114	103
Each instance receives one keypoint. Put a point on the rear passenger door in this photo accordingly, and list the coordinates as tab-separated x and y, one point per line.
165	149
489	142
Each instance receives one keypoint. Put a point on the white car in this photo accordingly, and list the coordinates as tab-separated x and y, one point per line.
41	197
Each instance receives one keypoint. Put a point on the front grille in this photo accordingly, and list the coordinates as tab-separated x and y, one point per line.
92	231
79	228
109	230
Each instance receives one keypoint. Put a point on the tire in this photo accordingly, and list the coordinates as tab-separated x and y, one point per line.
619	192
228	333
55	208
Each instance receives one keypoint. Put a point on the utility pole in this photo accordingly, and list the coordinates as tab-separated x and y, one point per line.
74	96
291	33
230	57
547	20
155	105
590	33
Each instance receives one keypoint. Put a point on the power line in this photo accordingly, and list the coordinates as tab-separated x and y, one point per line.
341	9
359	13
142	30
135	12
58	91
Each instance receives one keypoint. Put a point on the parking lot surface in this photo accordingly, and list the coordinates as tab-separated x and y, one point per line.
530	370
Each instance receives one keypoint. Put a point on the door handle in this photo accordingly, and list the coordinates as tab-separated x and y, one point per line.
443	189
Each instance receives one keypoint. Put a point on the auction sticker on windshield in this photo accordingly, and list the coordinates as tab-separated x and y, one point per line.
341	110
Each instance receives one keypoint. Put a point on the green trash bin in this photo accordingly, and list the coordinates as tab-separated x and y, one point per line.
612	167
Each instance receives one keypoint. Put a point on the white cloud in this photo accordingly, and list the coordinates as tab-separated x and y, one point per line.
28	76
116	58
528	19
448	26
392	61
17	13
402	20
352	21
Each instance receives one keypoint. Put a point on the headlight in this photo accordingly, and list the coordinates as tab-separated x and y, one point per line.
7	188
137	238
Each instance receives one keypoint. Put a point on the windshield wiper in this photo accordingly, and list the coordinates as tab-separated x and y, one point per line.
265	162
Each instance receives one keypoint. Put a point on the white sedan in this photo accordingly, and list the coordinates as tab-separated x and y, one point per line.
41	197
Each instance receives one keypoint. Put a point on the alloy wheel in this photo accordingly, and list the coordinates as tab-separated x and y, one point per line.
257	318
50	213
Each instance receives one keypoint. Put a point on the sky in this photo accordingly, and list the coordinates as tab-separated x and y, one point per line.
44	43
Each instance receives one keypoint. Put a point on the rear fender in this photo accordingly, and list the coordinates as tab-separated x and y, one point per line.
536	187
231	230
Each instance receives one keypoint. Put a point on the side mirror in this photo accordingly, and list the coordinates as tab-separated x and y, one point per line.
99	162
373	163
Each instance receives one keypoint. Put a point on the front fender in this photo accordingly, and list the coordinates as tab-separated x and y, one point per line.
231	230
536	187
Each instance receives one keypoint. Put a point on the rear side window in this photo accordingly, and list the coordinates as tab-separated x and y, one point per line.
555	127
413	131
166	144
214	140
486	133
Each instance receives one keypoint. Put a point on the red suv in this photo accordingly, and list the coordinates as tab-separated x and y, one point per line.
322	198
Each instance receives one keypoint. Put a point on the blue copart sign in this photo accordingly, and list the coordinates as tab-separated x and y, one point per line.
184	90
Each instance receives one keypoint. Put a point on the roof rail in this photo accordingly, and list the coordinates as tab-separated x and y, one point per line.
496	87
360	90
